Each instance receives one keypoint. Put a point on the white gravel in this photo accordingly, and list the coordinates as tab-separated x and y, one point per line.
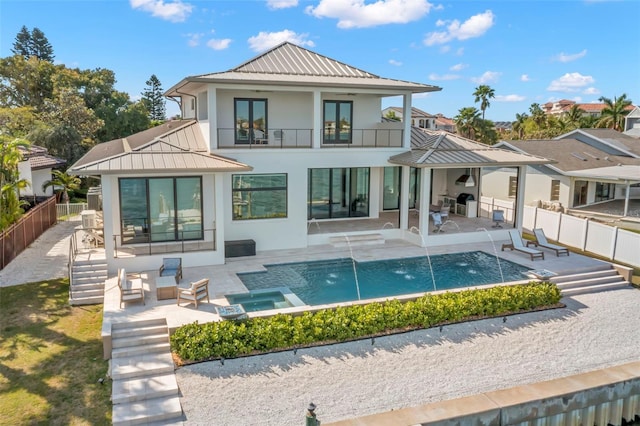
355	379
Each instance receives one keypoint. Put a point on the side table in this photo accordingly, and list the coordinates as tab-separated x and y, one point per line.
166	288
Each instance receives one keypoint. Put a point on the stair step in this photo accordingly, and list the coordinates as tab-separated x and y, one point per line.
357	240
595	288
80	293
148	339
90	300
87	286
143	388
143	330
89	262
575	277
129	351
147	364
590	282
136	324
144	412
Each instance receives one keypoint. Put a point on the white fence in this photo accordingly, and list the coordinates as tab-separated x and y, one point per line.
604	240
65	211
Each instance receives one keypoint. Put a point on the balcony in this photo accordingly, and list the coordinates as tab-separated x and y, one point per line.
303	138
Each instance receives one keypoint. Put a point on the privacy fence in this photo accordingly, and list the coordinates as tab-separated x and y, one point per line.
21	234
608	241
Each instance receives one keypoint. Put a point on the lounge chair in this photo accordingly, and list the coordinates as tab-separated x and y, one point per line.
171	266
195	292
541	240
130	290
518	244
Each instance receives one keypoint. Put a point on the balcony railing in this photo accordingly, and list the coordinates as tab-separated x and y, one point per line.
145	245
303	138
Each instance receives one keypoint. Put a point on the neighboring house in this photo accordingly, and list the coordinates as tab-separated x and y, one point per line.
445	123
419	118
591	166
36	169
563	106
503	126
287	143
632	123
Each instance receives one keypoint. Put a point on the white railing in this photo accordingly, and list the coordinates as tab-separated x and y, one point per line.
65	211
604	240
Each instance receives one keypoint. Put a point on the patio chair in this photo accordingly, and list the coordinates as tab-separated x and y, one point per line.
518	244
541	240
437	222
130	290
195	292
498	218
444	211
171	266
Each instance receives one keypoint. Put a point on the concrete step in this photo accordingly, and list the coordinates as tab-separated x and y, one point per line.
147	364
88	300
142	388
595	288
356	240
590	282
142	330
87	285
89	262
136	324
82	292
82	269
144	412
129	351
576	277
129	341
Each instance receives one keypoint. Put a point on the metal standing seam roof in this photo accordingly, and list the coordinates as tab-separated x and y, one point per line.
438	149
610	137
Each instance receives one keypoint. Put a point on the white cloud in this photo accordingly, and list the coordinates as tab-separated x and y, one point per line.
487	77
570	82
357	14
175	11
281	4
591	91
460	51
525	77
438	7
194	39
394	62
564	57
443	77
473	27
458	67
264	40
219	44
510	98
445	49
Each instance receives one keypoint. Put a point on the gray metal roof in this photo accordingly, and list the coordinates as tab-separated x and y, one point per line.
630	174
180	147
288	64
625	143
439	149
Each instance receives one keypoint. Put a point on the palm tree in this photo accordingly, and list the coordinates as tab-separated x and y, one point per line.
63	181
483	93
574	116
518	125
10	182
467	121
612	115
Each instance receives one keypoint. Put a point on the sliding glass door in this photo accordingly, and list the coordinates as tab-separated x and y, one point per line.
338	193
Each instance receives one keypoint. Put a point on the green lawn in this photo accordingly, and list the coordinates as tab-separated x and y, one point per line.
51	358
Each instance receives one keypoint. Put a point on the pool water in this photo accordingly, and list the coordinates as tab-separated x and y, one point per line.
333	281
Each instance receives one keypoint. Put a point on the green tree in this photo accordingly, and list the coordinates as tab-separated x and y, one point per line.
467	121
573	117
153	99
10	182
483	93
612	115
33	44
518	125
121	117
391	115
485	132
25	82
64	182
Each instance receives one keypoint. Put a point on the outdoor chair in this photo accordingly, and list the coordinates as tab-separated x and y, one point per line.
498	218
437	222
171	266
195	292
444	211
518	244
130	290
541	240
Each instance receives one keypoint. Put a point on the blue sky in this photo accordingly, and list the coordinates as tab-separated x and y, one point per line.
527	51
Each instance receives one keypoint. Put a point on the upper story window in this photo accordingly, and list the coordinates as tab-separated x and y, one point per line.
513	186
555	190
251	121
203	106
338	116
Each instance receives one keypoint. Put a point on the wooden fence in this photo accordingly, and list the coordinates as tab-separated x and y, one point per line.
21	234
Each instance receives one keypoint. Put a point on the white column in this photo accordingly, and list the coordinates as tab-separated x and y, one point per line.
218	209
406	120
522	177
213	118
425	197
317	120
404	197
626	199
111	220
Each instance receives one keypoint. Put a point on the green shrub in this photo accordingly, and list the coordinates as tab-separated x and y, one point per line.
228	339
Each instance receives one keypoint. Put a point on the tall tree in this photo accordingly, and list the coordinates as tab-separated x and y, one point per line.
467	121
33	44
573	117
483	93
25	81
153	99
10	182
612	115
518	125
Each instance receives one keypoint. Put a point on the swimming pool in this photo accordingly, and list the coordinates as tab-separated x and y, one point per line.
334	281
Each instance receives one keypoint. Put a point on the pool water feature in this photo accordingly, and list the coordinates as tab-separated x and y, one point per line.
265	299
332	281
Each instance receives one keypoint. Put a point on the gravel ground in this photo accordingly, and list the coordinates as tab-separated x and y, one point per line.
356	379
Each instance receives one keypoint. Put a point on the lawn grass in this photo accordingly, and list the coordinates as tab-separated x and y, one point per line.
51	358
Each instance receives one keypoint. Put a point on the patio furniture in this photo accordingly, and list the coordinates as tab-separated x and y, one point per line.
437	222
195	292
130	290
171	266
444	211
541	240
166	288
498	218
518	244
231	312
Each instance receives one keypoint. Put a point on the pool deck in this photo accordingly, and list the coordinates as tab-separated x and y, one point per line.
223	279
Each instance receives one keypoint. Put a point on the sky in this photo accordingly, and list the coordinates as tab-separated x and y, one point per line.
527	51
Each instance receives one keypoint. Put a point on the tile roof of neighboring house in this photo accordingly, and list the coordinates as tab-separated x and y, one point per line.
39	158
441	119
570	154
624	143
288	64
438	149
173	146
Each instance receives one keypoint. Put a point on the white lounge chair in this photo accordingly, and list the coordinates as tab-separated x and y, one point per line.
194	293
517	243
541	240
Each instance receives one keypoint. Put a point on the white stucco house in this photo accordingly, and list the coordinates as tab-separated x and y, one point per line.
285	151
591	166
36	167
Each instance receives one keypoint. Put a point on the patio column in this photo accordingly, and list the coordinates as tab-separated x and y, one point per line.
406	120
213	118
316	137
522	177
110	203
404	197
626	199
425	201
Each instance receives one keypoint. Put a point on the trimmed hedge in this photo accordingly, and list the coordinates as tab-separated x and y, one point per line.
229	339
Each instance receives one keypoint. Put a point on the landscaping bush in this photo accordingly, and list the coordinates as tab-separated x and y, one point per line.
228	339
